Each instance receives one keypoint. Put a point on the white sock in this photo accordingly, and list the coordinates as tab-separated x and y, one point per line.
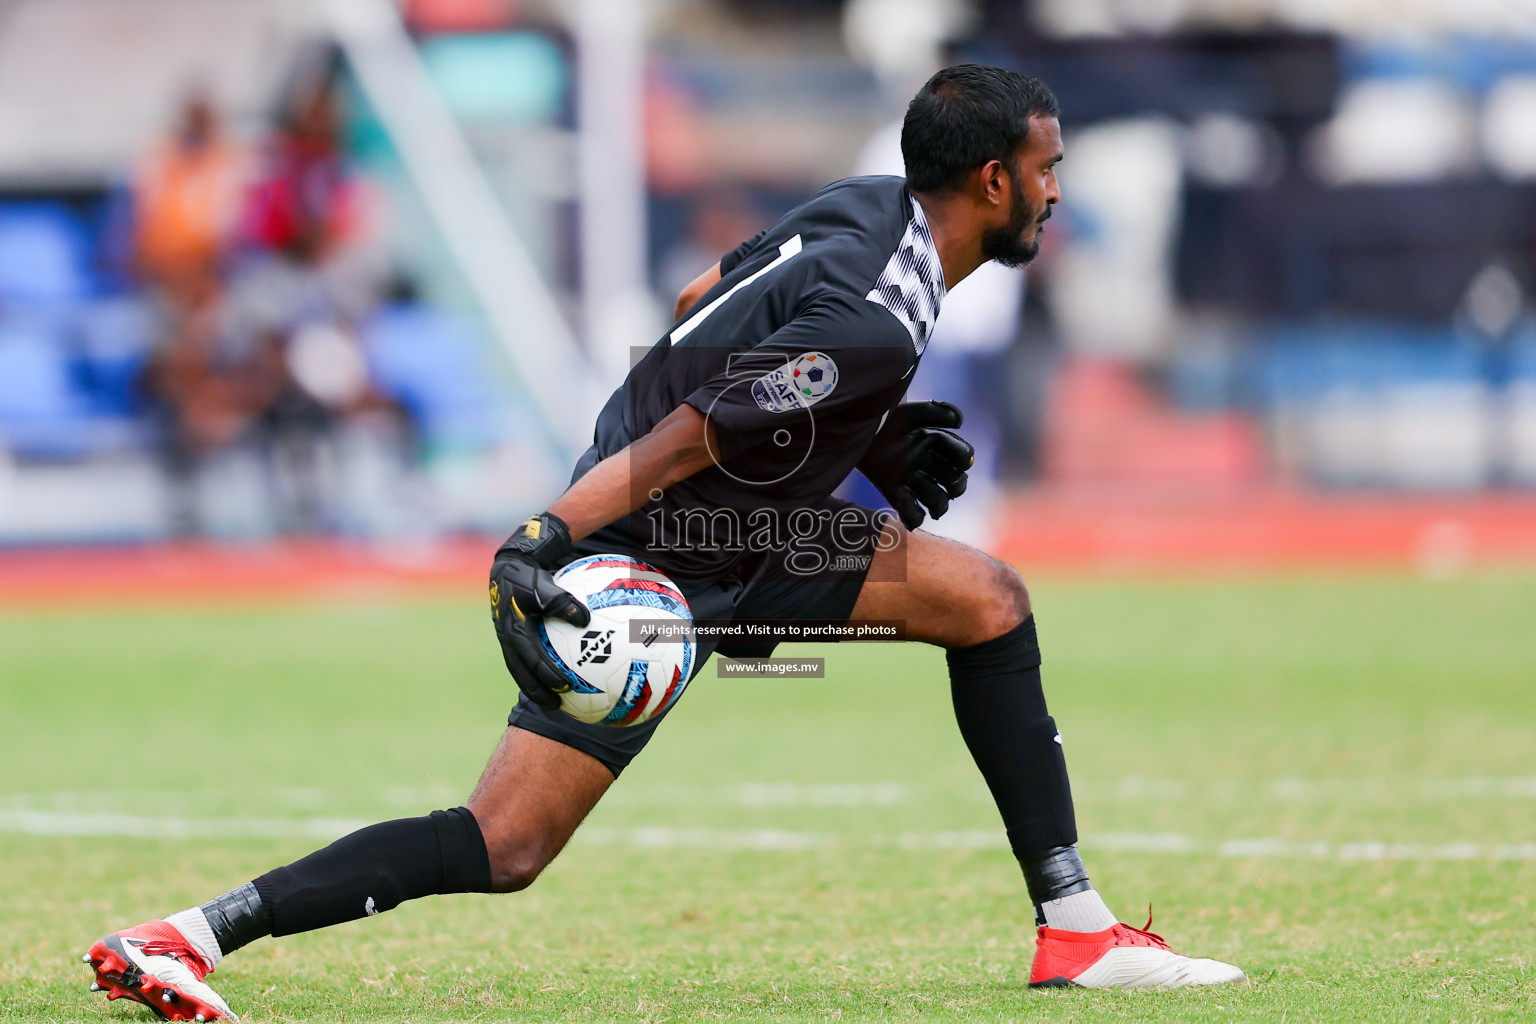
1081	912
199	932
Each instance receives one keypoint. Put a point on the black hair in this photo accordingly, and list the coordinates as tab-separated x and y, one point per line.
964	116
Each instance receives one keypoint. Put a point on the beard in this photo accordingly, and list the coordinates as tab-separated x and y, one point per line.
1006	244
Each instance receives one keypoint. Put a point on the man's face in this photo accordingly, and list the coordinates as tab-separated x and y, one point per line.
1032	192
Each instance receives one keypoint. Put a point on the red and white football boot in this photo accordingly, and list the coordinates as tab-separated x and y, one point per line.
156	965
1120	957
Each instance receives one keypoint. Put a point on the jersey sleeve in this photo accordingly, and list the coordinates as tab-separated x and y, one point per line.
840	362
731	260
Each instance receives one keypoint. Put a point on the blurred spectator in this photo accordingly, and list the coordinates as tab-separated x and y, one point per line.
313	275
311	225
304	202
202	405
186	202
186	199
260	377
323	421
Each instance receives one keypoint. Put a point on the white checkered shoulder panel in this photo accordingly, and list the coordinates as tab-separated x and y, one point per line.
912	283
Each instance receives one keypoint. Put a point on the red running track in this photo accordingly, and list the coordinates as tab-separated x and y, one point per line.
1073	530
1265	529
270	572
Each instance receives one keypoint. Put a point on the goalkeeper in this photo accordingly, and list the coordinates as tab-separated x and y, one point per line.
716	461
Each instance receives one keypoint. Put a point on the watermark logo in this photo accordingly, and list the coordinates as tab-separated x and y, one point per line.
771	668
774	452
812	540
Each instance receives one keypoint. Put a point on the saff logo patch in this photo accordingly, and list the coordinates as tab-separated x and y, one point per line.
798	384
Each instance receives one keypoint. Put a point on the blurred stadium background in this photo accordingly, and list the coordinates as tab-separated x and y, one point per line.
316	298
348	277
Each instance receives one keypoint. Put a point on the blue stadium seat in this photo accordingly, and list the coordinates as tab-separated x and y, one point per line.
38	406
1473	62
34	379
432	364
113	339
1300	364
44	254
1522	355
43	413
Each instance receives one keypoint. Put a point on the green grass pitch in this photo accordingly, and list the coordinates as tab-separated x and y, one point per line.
1329	781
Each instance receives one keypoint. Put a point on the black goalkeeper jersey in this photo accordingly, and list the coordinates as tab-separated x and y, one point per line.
797	354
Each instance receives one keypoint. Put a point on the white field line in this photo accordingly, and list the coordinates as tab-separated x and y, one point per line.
1139	789
1130	789
1136	789
69	823
1376	850
665	838
316	800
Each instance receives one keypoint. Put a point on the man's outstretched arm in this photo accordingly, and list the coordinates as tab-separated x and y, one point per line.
675	449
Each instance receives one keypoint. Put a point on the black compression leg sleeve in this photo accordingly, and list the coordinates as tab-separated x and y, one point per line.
1000	706
237	918
376	869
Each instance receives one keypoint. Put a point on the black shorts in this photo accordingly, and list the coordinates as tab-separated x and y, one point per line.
770	590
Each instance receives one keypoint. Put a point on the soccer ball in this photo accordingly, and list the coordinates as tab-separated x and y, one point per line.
616	680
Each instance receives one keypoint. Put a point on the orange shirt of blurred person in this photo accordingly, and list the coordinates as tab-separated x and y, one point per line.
187	197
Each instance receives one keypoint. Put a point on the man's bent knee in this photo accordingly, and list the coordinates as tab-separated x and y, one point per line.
531	797
517	862
1004	604
956	596
518	848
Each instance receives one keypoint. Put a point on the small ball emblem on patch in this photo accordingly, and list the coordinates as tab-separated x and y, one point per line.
814	375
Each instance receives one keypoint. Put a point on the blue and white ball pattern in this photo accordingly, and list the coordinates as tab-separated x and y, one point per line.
616	681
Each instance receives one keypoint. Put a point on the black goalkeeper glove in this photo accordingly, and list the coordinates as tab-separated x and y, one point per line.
917	460
523	590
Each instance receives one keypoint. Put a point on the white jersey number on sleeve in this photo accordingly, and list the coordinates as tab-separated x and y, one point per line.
788	251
